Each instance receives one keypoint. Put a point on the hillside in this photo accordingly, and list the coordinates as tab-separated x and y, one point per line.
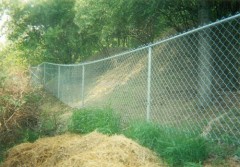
121	83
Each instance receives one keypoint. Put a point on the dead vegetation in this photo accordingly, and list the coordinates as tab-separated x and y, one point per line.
18	109
22	108
91	150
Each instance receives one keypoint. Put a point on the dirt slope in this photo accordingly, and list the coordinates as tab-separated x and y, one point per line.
91	150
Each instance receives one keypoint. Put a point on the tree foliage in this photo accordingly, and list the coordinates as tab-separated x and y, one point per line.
45	29
67	31
130	23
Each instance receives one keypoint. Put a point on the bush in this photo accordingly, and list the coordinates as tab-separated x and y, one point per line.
175	146
18	119
87	120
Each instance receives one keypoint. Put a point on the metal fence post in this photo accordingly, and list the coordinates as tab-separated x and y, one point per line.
149	83
59	73
83	78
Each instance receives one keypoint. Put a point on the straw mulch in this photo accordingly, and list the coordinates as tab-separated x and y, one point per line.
92	150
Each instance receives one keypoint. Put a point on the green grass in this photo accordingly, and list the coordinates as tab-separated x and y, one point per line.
178	148
175	146
87	120
29	135
2	152
192	164
237	152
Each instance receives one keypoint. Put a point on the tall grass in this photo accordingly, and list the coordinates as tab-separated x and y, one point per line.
87	120
176	147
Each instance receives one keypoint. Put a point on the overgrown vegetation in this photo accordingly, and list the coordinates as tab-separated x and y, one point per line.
22	115
176	146
27	118
87	120
18	118
68	31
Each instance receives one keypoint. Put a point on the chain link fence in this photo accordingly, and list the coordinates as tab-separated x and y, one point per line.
189	81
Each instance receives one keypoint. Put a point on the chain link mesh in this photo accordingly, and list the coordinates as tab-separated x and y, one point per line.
189	81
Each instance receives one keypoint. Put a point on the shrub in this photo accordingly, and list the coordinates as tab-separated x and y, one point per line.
16	115
18	119
87	120
175	146
48	123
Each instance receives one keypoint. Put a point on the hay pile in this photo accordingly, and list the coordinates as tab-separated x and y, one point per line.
92	150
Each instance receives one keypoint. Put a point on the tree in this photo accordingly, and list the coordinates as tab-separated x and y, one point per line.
46	28
67	31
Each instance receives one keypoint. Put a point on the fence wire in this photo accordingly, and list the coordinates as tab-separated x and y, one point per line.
190	81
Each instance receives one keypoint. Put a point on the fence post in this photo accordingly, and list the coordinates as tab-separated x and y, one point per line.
149	83
83	78
59	73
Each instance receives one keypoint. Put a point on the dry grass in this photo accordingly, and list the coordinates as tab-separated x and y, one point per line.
92	150
231	162
17	108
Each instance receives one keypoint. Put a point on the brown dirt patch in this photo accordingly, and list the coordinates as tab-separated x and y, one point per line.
230	162
92	150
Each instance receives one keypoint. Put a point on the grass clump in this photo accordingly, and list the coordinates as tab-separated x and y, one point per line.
176	147
146	134
87	120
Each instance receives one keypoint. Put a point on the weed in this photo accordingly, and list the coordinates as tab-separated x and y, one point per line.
29	135
191	164
87	120
2	80
221	151
33	97
175	146
2	152
48	123
237	152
